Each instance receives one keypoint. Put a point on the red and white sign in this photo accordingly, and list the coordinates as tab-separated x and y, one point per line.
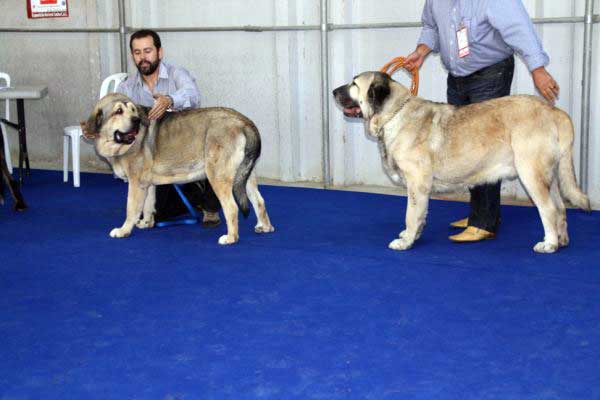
47	8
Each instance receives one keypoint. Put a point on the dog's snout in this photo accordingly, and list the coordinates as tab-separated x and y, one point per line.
337	91
136	120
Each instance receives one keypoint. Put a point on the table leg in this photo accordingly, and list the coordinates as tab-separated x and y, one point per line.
23	154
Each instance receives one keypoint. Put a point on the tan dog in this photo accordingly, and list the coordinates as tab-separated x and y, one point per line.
439	145
217	143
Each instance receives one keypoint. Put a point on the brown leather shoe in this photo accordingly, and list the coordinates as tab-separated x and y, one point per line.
210	219
461	223
472	234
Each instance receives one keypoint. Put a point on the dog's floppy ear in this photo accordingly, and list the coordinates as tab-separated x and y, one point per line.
143	114
378	92
92	126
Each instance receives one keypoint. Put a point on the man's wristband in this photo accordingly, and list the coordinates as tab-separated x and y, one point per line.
170	106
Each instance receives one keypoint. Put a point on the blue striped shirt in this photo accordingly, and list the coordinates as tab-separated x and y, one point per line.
496	29
174	81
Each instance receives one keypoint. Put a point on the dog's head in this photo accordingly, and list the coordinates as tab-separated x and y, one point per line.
115	124
365	96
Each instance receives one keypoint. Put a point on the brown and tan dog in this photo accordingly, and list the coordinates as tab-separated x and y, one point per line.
435	145
215	143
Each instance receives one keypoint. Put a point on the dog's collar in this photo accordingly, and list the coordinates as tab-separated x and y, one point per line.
404	103
400	108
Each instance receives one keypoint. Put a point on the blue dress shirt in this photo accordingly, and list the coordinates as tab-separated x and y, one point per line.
496	29
174	81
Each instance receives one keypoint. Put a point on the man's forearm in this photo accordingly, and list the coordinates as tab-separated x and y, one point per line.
186	97
423	49
511	20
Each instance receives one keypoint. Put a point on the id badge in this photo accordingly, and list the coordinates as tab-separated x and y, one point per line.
463	41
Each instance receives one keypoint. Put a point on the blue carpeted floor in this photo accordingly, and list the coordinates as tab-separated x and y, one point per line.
320	309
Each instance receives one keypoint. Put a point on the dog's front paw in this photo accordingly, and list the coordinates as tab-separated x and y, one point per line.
563	240
263	229
400	244
226	239
119	233
545	247
145	223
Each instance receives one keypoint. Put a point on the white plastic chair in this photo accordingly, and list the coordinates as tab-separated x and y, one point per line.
74	132
6	78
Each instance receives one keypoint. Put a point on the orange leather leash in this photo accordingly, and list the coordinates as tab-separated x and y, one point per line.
396	64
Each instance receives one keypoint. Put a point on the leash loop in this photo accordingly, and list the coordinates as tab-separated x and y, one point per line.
397	63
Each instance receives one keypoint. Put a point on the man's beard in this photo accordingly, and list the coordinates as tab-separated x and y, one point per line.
147	68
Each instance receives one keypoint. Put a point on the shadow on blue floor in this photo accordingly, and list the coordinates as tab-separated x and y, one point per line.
320	309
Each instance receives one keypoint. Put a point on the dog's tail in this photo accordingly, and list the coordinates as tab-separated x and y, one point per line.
566	170
251	154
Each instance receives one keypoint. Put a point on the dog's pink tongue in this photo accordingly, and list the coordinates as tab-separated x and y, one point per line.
132	134
355	111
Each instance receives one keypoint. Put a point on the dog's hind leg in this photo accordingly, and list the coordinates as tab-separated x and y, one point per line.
2	164
13	186
419	188
148	220
536	184
224	190
561	225
264	223
220	172
1	188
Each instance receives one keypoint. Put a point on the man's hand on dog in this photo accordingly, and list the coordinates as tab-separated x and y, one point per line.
161	104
